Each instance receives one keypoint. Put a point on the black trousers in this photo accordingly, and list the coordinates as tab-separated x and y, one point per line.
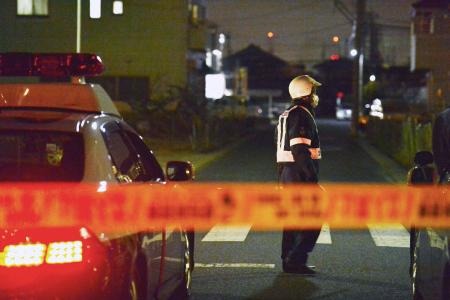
296	244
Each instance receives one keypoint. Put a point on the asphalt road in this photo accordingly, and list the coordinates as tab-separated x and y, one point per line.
239	263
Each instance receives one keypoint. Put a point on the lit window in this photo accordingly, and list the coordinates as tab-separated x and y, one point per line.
214	86
95	9
32	7
118	7
197	13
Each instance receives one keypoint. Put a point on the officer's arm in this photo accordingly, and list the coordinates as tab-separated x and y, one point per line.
275	135
300	136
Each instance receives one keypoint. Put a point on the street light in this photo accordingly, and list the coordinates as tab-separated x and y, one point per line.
222	38
335	39
372	78
270	34
78	42
353	52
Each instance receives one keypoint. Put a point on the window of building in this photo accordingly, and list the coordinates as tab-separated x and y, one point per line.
95	9
197	13
118	7
424	23
32	7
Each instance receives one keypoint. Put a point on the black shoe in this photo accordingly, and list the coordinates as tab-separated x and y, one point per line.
286	263
299	269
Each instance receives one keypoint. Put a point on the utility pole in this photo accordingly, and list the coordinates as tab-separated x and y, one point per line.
358	22
358	64
78	45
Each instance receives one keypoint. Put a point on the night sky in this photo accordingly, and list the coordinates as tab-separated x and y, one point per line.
304	28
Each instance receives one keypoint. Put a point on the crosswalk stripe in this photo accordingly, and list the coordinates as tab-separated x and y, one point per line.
235	265
394	235
325	236
220	233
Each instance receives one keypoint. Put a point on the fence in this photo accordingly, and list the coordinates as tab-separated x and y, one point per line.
400	138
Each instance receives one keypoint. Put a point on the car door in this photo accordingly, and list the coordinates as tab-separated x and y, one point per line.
424	271
139	250
439	262
175	244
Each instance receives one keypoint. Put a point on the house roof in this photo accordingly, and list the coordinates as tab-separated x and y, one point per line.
265	70
251	55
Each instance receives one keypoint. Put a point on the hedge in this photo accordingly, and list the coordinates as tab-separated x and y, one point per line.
400	138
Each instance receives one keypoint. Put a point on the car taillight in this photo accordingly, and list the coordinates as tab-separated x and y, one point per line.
64	252
28	255
23	255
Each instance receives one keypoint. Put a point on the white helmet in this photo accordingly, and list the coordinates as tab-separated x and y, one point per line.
302	86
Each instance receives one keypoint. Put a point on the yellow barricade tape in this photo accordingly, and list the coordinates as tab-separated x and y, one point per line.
265	206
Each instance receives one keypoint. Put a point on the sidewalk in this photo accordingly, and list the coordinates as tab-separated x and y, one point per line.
394	172
165	152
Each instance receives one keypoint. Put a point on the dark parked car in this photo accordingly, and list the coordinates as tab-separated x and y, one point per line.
430	260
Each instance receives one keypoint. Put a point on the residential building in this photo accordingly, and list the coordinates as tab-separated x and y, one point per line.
146	46
266	72
430	49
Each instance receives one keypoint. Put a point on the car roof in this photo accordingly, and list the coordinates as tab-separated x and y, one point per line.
37	120
90	98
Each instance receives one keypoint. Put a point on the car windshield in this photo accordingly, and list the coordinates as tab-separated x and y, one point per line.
36	156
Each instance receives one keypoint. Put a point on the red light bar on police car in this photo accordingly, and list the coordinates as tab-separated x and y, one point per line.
50	64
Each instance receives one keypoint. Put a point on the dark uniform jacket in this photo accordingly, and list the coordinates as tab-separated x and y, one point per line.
297	140
441	142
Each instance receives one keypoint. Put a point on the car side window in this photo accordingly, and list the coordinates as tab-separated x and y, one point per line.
122	154
153	171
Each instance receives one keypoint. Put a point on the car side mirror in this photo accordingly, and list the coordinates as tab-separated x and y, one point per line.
423	158
179	171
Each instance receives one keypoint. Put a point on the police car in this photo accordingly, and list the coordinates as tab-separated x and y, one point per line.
72	132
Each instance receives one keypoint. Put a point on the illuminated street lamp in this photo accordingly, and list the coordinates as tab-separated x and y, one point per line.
372	78
353	52
270	35
335	39
222	38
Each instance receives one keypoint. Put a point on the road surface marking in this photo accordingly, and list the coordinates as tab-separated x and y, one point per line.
325	236
394	235
235	265
220	233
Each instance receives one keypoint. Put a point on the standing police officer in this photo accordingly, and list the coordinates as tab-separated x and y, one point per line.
298	154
